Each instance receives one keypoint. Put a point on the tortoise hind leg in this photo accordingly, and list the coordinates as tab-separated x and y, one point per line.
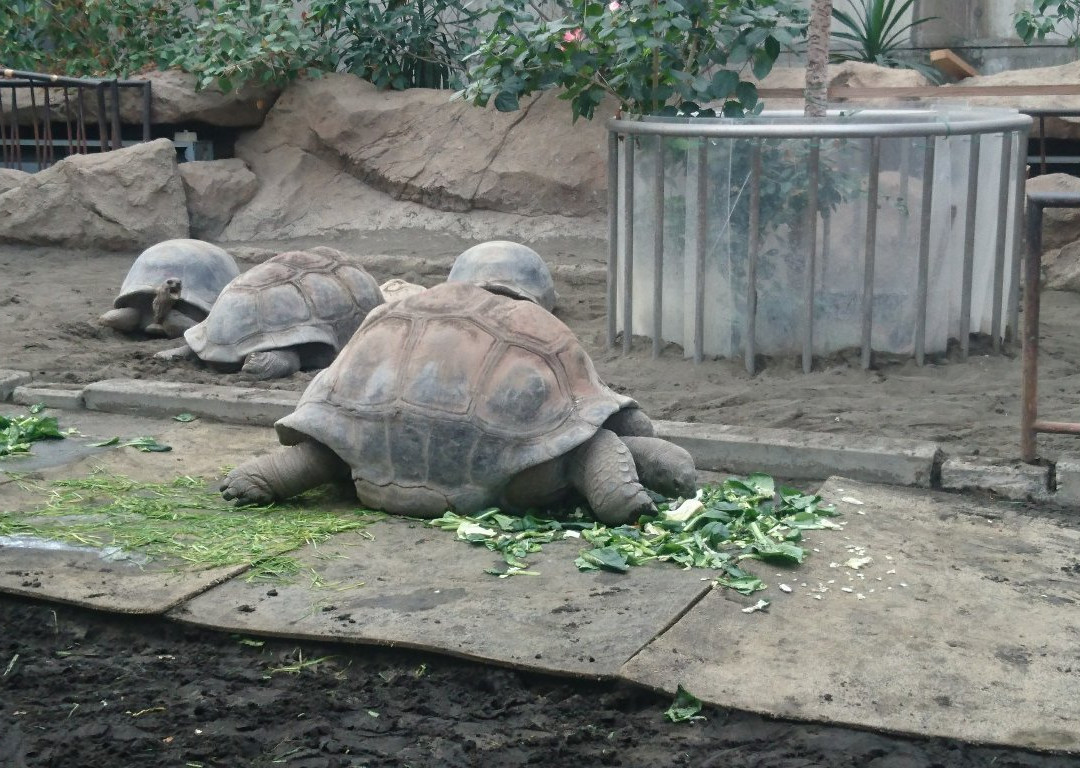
272	364
283	474
663	467
603	470
126	319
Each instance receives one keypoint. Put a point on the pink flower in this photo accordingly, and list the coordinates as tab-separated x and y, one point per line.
573	35
614	6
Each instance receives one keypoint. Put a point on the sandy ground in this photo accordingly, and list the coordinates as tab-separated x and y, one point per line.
50	299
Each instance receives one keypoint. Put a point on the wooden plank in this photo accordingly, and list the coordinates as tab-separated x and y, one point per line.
947	62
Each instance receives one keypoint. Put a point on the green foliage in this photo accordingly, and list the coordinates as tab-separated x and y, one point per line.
397	44
89	37
652	56
234	42
876	29
686	707
1048	18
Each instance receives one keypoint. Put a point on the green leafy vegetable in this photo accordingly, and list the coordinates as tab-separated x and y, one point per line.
145	444
185	417
739	519
18	432
685	708
104	443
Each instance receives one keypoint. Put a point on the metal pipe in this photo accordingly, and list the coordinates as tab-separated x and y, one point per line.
658	250
1019	188
701	228
1030	377
72	141
15	142
811	255
117	139
924	250
1042	144
147	102
38	154
870	251
613	236
38	77
3	133
751	260
870	123
49	156
82	120
1057	427
628	244
999	242
103	145
970	209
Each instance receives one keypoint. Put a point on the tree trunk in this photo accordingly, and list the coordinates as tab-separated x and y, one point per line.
817	58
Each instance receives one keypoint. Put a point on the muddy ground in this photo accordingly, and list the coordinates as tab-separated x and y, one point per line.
50	299
86	690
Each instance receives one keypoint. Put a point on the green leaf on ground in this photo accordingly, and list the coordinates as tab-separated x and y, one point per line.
685	708
185	417
19	431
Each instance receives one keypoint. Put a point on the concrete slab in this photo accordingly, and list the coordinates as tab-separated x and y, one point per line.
965	624
234	405
798	455
419	587
69	398
89	578
10	379
1067	474
1015	480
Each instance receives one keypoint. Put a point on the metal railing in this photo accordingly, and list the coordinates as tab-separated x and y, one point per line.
923	127
88	109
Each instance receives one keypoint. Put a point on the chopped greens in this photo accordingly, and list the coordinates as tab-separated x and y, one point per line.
739	519
145	444
18	432
182	521
685	708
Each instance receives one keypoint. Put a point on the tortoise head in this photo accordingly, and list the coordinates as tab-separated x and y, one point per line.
506	268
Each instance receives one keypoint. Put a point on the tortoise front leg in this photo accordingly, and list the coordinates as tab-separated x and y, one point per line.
176	322
272	364
603	471
176	353
286	472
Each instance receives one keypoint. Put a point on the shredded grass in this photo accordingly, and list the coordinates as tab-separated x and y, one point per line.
182	522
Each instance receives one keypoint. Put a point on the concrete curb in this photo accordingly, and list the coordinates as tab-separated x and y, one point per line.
235	405
799	455
786	453
9	380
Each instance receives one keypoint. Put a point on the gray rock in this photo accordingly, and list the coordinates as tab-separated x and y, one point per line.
1061	226
335	153
215	189
126	199
11	178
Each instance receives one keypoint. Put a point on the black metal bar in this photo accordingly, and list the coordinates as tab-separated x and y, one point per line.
613	236
3	133
114	90
67	119
1042	144
870	251
103	130
48	129
999	243
147	101
82	120
17	145
34	124
38	77
1030	380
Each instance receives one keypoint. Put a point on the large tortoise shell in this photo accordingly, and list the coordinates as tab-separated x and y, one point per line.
203	268
443	397
314	299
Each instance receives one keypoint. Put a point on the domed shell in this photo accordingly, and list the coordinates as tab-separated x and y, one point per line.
450	394
316	298
506	267
203	268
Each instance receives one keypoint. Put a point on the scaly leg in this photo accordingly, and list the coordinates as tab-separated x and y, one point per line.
286	472
602	469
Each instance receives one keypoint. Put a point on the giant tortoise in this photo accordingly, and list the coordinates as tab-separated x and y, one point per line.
293	311
460	398
171	287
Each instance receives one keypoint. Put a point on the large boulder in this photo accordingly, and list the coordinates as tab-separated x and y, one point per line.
1065	74
174	101
333	150
122	200
11	178
215	189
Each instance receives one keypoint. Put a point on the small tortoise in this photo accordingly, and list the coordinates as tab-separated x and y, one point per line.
170	288
294	311
458	398
502	266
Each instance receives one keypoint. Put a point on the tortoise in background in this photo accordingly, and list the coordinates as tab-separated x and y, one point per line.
460	398
294	311
171	286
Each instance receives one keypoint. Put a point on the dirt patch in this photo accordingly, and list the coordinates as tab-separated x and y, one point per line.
89	690
50	299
